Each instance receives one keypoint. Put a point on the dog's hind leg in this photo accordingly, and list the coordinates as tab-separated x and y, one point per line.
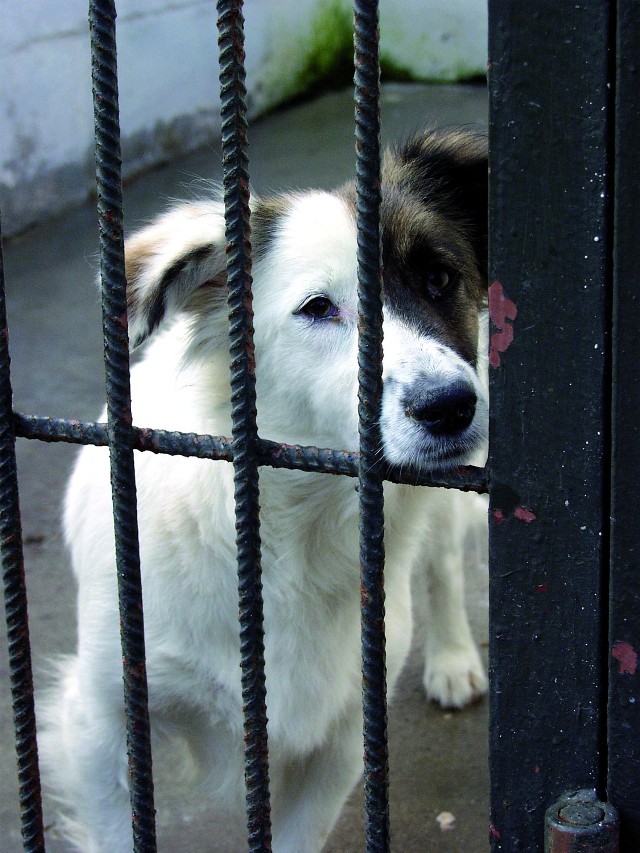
308	794
454	675
83	745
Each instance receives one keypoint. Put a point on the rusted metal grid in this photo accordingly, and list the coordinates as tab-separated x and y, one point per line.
245	449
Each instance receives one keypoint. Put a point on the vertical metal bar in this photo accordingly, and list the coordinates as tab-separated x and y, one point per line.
243	410
624	637
102	15
549	308
15	598
367	128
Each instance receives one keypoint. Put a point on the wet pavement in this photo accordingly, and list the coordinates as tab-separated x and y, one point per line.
438	759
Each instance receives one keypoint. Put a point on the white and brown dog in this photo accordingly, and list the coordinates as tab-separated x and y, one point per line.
434	415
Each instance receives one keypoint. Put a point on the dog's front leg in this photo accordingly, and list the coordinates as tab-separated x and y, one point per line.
308	794
454	675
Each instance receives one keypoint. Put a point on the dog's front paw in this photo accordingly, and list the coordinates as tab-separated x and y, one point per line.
455	678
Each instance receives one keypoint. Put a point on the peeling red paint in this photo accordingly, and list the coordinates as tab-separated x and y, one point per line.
495	833
626	656
500	342
536	769
524	514
501	310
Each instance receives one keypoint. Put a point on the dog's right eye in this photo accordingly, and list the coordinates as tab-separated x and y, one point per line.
319	308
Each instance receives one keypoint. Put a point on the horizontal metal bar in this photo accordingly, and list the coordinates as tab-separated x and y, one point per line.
296	457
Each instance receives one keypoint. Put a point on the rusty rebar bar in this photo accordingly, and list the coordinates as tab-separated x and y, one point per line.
102	15
15	598
243	413
368	199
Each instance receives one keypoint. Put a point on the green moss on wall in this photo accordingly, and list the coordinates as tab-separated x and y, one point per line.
390	70
312	52
323	60
328	63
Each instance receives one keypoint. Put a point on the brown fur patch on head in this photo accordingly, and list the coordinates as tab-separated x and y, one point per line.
434	218
434	229
447	173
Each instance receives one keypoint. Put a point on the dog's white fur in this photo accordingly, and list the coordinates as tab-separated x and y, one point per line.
307	394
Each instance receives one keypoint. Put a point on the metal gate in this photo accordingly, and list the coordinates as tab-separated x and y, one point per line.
565	610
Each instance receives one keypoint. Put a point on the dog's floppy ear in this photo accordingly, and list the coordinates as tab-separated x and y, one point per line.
170	262
450	170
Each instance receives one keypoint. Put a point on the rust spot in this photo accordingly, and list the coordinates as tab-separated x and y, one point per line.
501	310
493	832
626	656
543	587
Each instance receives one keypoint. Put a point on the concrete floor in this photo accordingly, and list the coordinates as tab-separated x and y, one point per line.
438	759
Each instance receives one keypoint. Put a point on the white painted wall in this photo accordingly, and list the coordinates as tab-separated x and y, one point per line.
168	73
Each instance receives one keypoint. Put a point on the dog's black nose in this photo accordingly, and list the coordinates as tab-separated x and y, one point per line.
445	410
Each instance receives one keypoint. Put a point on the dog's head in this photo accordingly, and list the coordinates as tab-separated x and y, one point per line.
435	407
434	225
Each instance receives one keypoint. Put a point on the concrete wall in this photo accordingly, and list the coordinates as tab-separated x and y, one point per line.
168	71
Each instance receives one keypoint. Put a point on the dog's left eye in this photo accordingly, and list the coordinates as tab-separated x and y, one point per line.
439	279
320	308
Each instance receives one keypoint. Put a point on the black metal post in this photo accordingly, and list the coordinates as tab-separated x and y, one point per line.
549	430
102	15
624	630
243	411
